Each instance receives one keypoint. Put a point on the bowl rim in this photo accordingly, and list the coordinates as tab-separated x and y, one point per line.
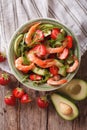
12	39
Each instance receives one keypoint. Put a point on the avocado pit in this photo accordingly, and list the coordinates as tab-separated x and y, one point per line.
65	108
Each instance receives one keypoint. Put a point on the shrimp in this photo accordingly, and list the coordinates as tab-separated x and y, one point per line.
21	67
41	63
55	81
28	38
57	49
74	66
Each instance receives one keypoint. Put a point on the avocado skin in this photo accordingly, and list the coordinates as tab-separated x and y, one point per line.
59	113
77	97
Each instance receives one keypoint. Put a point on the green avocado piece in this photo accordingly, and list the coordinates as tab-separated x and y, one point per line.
64	107
17	42
62	71
40	71
58	63
76	89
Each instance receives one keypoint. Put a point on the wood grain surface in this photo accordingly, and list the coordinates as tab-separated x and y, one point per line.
29	116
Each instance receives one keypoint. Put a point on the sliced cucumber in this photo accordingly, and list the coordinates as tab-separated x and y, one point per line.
76	89
17	42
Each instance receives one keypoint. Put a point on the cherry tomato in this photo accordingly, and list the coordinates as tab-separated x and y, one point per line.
4	79
55	33
39	35
10	99
35	77
64	54
2	57
25	98
40	50
70	41
42	102
18	92
54	70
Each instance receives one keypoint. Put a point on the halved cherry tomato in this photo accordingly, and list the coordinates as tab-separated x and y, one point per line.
35	77
42	102
54	70
64	54
18	92
39	35
25	99
70	41
40	50
55	33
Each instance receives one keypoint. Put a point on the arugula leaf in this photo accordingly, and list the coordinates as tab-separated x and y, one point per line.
25	78
25	60
60	37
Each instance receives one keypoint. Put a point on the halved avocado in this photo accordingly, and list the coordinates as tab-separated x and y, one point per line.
65	108
76	89
17	42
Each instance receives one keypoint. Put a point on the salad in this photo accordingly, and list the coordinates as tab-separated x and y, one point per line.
45	53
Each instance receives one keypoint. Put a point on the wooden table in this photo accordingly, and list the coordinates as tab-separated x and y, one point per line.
30	117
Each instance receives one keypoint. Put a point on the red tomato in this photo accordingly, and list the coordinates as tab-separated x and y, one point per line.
64	54
70	41
35	77
2	57
40	50
10	99
39	35
55	33
4	79
25	98
42	102
18	92
54	70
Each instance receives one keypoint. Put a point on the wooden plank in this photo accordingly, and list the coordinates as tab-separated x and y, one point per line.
9	114
81	122
1	108
31	116
82	72
55	122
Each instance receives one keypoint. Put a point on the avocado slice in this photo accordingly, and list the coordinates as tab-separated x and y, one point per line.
65	108
62	70
17	42
58	63
76	89
40	71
